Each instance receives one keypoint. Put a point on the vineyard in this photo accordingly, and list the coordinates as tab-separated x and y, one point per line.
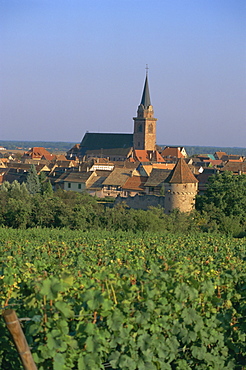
119	300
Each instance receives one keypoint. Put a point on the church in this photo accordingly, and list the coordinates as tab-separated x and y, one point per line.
120	146
178	182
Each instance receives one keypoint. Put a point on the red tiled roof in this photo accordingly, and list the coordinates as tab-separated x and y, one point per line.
172	152
135	183
214	162
234	167
39	152
235	160
181	174
48	157
219	155
147	156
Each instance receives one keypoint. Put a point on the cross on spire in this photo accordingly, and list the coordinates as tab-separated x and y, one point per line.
147	69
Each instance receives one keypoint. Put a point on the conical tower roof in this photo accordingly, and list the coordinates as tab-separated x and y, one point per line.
146	96
181	174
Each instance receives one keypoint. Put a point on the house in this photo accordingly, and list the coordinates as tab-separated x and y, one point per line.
19	171
73	152
174	152
213	162
228	157
63	163
147	156
134	185
145	169
95	185
205	157
25	167
113	184
38	153
75	180
3	162
219	155
235	158
101	164
203	178
235	167
13	174
155	183
56	173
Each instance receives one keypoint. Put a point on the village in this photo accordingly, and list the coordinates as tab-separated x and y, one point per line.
125	167
139	178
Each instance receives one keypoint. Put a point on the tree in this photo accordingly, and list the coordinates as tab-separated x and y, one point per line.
226	192
32	182
45	185
17	213
225	201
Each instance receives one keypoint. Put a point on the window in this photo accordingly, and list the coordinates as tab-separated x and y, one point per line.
150	128
69	185
140	128
79	186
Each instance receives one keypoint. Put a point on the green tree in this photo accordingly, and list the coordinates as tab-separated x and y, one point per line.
14	199
17	213
45	185
32	182
225	202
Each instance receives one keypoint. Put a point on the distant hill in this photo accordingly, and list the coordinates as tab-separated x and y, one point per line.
54	146
51	146
193	150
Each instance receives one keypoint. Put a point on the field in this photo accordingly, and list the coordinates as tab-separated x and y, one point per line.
120	300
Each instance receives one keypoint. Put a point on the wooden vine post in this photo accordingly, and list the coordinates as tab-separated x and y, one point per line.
13	325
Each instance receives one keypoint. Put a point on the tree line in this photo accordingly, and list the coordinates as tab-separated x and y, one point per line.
222	208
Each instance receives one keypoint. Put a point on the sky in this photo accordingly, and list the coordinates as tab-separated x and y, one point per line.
71	66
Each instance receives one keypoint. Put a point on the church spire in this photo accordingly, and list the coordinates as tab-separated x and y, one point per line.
146	96
144	136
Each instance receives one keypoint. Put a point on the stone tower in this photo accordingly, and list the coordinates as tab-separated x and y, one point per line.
180	188
144	136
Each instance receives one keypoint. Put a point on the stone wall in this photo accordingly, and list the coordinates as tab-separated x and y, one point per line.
141	201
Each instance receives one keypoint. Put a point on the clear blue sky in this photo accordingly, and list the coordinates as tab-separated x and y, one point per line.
71	66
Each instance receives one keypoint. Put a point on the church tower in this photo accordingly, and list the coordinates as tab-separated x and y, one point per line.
144	136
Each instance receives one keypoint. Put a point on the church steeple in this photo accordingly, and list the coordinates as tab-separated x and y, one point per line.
146	96
144	136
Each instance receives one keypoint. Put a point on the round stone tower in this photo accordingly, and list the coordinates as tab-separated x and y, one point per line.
180	188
